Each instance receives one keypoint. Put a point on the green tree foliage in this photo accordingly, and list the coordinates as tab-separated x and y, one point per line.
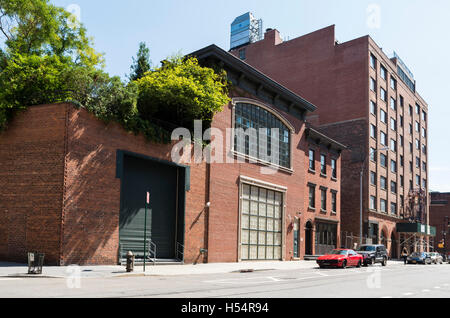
35	27
141	64
182	91
48	58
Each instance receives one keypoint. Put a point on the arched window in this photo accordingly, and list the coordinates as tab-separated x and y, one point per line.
260	134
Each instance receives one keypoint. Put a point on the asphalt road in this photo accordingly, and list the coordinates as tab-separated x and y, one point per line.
411	281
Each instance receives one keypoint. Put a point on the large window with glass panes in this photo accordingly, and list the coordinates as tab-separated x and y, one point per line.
261	223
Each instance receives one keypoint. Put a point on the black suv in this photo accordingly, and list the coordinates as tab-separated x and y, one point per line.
373	254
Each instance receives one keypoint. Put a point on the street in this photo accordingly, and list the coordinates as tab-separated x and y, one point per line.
411	281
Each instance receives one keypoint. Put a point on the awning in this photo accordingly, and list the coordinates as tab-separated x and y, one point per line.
416	228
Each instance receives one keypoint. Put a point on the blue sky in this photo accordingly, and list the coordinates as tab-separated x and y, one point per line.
416	29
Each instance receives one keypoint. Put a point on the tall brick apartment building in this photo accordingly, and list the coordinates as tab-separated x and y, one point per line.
440	218
369	102
75	188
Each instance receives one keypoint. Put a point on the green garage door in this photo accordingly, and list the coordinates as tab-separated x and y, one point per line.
162	181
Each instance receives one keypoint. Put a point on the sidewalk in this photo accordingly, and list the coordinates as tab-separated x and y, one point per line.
20	270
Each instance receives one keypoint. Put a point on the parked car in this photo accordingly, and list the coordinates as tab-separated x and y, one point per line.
340	258
419	258
373	254
436	258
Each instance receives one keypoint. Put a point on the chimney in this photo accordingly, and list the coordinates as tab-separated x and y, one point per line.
273	36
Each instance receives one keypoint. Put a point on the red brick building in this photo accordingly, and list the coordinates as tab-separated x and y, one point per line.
369	102
440	218
74	187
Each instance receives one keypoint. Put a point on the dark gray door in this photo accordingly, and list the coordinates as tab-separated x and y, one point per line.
161	180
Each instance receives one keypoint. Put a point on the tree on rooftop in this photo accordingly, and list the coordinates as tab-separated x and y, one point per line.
141	64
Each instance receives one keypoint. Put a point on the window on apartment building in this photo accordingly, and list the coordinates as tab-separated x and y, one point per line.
373	108
248	143
373	62
394	166
383	139
417	109
312	196
411	169
383	94
424	183
383	72
393	208
418	180
373	131
410	110
383	116
242	54
373	85
373	154
312	165
383	160
410	147
333	201
410	184
424	149
383	205
401	121
323	199
373	178
334	168
394	187
402	101
393	104
417	144
323	164
393	83
393	124
410	129
402	161
393	145
424	166
417	162
417	126
402	181
402	201
373	202
383	183
424	133
424	116
402	141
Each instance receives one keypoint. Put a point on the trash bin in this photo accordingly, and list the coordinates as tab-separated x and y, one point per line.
35	263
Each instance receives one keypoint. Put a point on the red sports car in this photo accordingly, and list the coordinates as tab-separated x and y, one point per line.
340	258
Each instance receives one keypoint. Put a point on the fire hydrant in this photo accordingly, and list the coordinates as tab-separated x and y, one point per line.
130	261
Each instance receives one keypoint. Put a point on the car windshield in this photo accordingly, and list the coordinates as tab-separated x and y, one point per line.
416	254
338	252
367	248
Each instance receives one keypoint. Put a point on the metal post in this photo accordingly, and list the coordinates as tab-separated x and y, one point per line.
361	207
145	235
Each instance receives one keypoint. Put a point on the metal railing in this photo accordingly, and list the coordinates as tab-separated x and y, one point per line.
179	252
152	251
136	246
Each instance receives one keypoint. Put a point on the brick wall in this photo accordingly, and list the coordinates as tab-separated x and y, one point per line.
31	183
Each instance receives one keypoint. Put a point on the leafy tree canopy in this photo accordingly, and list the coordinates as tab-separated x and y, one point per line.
36	27
46	57
182	91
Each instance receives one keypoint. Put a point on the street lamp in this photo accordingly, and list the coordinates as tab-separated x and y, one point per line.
361	192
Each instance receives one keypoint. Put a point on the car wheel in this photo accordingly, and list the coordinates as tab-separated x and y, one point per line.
359	264
384	263
344	264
